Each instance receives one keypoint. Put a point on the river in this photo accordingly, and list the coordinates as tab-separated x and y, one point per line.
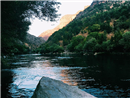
100	75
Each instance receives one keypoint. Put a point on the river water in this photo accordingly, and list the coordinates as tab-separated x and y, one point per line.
100	75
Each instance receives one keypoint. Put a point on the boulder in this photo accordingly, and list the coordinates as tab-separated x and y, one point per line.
50	88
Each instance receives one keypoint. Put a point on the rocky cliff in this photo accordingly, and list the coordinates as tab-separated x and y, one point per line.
63	22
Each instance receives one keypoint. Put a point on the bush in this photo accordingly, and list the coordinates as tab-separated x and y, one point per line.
75	42
94	28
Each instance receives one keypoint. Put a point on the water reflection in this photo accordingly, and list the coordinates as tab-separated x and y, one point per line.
101	75
104	74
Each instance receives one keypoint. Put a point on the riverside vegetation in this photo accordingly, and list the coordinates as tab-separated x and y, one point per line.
102	27
15	21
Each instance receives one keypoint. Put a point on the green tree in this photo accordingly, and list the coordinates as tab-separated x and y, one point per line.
79	47
74	42
94	28
51	48
106	26
98	48
107	46
125	41
58	49
101	38
117	37
90	44
15	20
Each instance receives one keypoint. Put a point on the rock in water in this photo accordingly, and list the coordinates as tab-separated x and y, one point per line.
50	88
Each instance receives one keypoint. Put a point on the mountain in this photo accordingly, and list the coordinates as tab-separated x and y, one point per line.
103	26
63	22
33	42
98	6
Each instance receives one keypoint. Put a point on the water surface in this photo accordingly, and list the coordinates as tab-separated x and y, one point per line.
100	75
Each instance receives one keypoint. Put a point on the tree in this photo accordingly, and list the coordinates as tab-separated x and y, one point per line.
90	44
107	46
117	37
79	47
15	16
94	28
106	26
74	42
125	41
101	38
58	49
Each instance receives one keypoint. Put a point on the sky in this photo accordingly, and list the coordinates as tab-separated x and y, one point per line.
67	7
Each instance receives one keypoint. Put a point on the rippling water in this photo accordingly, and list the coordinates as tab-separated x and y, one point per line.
101	76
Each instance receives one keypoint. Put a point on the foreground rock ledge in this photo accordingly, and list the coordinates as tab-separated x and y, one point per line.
50	88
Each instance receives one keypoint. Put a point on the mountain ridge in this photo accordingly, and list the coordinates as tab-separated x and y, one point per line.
102	27
63	22
66	19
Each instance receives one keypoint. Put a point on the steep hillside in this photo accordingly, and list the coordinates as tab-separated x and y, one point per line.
100	27
33	42
98	6
63	22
